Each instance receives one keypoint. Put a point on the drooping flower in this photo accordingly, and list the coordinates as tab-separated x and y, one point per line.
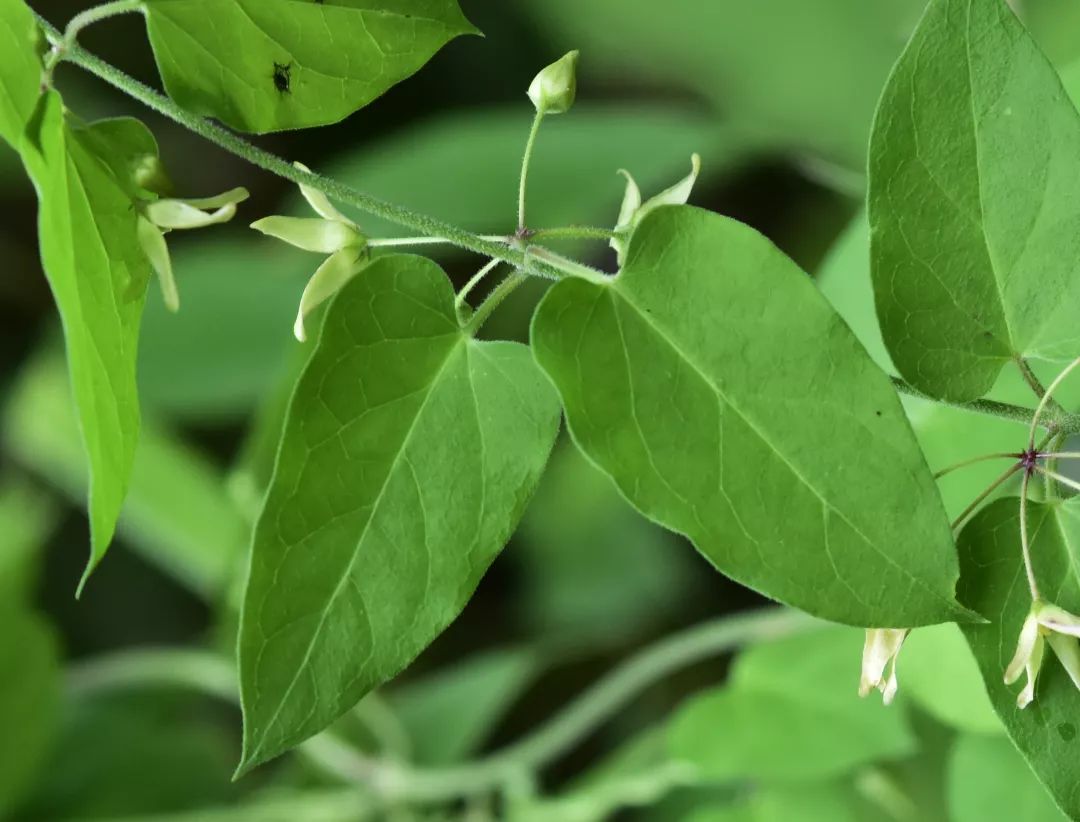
880	650
553	90
633	210
158	217
330	233
1045	624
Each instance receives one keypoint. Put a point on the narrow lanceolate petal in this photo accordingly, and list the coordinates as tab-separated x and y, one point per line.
319	201
1032	667
233	196
633	210
630	205
310	233
338	269
1025	646
678	194
880	650
152	241
171	214
1067	650
631	201
1057	619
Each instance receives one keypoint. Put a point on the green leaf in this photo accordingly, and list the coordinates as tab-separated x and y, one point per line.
989	780
98	274
938	671
177	515
268	65
29	701
20	81
994	584
971	203
946	434
730	403
790	711
800	76
450	713
408	456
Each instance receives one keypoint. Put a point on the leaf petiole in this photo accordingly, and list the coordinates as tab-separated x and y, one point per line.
494	299
475	281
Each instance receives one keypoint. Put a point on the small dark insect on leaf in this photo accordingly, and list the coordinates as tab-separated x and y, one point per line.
282	77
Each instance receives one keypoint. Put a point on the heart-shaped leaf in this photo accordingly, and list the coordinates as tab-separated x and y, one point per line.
973	208
730	403
409	453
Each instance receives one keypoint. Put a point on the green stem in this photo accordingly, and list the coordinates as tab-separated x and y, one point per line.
393	781
81	21
525	162
1025	543
974	461
494	299
475	281
572	233
1033	381
97	13
421	224
1051	420
606	699
975	503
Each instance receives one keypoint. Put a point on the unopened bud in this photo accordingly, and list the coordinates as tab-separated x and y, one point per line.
552	91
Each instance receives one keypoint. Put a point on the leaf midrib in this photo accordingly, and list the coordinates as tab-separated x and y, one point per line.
325	611
650	320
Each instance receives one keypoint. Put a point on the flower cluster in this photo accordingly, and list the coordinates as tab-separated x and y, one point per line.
156	218
330	233
1045	624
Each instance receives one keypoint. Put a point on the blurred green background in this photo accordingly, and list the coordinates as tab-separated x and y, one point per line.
776	95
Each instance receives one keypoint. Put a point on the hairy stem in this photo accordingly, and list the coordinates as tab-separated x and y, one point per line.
1019	413
394	781
342	193
1054	475
1046	409
494	300
81	21
572	233
1034	383
474	281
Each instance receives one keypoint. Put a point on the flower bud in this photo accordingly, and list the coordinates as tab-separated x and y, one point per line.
552	91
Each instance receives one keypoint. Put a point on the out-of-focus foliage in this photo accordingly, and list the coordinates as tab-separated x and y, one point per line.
777	96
